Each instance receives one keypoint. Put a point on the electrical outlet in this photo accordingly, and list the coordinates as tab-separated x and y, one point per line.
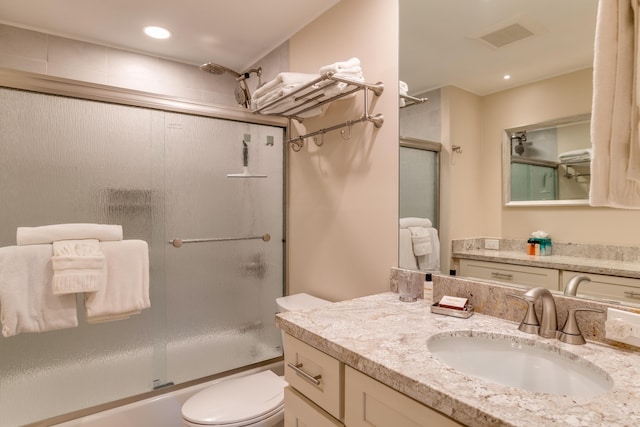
491	244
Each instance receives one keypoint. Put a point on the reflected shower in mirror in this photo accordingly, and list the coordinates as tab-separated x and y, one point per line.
419	245
548	161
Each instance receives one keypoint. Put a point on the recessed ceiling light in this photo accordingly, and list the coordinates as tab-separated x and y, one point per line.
506	77
157	32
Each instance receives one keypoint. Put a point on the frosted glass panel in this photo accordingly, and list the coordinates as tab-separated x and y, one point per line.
419	184
65	160
161	175
221	295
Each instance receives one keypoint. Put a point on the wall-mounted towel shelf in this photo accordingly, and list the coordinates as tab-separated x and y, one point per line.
411	100
577	170
179	242
313	95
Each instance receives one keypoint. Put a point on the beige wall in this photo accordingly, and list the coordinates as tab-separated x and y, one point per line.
461	191
343	196
563	96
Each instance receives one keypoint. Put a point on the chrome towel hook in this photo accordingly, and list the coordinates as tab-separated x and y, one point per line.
342	132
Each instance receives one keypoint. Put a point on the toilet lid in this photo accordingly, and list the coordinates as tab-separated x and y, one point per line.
236	400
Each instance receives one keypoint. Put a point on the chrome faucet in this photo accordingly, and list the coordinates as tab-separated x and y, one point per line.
549	321
572	285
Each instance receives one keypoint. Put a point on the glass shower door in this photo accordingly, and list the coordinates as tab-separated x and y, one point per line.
220	294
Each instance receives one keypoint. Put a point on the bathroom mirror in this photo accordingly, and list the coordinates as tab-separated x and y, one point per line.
453	42
547	163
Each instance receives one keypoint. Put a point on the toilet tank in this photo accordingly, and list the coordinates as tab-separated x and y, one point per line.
300	301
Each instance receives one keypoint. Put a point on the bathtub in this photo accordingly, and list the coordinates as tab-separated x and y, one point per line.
159	411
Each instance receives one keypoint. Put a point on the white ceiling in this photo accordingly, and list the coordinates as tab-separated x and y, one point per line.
436	47
437	44
233	33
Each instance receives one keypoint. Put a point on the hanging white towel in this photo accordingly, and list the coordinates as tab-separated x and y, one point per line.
421	241
406	258
27	302
127	289
614	122
52	233
78	266
431	262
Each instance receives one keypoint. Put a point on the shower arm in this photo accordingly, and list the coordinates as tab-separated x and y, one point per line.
247	74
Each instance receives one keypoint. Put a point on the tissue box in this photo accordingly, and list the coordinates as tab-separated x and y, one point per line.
539	246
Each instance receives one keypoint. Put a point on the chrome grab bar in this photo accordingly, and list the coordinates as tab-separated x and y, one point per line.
179	242
307	376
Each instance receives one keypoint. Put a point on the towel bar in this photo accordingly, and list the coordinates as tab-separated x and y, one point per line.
179	242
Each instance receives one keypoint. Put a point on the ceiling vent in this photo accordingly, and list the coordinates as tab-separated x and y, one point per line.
506	35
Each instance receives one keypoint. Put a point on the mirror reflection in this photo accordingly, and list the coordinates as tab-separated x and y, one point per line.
419	243
549	161
452	63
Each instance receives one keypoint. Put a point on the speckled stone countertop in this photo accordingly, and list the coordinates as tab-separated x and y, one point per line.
596	259
387	339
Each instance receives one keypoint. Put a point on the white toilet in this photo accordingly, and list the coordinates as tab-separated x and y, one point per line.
255	400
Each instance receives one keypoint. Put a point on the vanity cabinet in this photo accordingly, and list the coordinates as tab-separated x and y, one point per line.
322	392
602	287
316	375
368	403
510	273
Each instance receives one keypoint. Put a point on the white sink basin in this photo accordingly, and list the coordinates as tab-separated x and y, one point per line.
521	363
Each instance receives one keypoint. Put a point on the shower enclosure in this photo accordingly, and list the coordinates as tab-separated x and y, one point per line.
162	175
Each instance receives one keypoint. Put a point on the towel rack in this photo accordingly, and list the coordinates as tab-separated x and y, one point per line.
573	169
313	95
179	242
412	100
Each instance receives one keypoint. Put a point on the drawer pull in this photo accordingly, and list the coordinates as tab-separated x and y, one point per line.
508	276
631	294
298	369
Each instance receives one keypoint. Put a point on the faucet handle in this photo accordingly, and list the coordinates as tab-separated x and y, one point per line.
530	323
571	333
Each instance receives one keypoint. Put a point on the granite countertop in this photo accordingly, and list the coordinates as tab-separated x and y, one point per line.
387	340
561	262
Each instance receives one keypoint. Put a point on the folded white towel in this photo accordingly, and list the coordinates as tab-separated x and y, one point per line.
421	241
284	79
351	65
27	302
127	289
52	233
582	154
415	222
78	266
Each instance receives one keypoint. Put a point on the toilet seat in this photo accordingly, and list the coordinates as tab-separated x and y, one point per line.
236	402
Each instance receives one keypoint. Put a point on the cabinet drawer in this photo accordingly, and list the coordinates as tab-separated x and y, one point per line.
602	287
510	273
301	412
368	403
315	374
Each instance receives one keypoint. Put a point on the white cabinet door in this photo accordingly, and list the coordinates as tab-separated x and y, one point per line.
301	412
369	403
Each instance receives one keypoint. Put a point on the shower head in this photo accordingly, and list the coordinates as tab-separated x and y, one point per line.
212	68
